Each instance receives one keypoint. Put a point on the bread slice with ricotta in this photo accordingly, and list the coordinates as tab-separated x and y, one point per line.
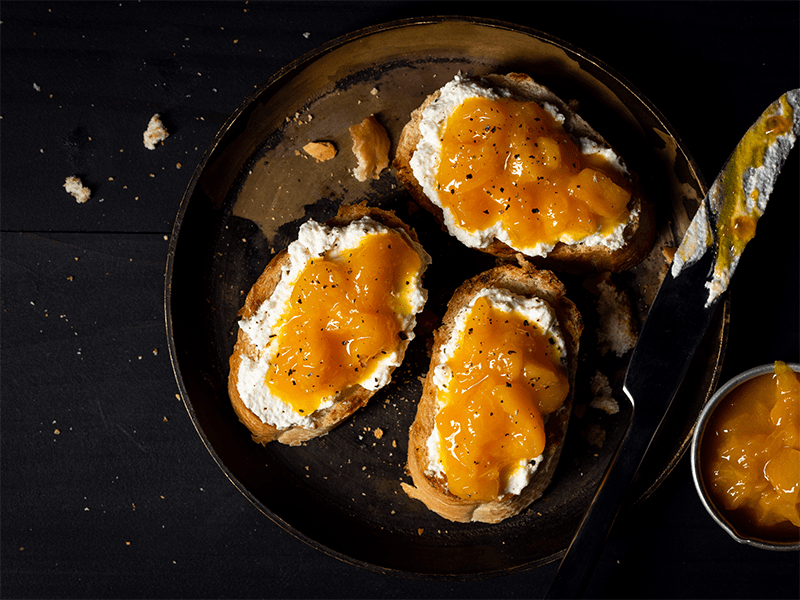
248	393
430	485
571	256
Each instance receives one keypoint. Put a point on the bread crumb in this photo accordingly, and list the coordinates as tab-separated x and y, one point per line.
420	530
371	148
155	133
321	151
378	433
595	435
669	253
616	331
603	398
75	186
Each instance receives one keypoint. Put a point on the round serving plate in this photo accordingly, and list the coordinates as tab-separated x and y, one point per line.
253	188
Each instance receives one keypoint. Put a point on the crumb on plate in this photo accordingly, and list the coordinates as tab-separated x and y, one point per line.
603	399
371	148
617	331
321	151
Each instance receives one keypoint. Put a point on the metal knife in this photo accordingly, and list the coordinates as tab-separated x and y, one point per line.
679	316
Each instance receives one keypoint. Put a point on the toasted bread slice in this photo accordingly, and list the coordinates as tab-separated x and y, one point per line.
348	400
577	257
432	489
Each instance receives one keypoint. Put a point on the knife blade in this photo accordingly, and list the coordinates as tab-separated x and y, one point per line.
679	316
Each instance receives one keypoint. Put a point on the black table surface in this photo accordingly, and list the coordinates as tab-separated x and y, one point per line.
107	490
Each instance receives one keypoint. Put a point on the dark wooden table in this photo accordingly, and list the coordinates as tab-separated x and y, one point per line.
107	490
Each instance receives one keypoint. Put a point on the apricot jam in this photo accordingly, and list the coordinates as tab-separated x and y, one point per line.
739	207
342	318
750	455
506	377
509	161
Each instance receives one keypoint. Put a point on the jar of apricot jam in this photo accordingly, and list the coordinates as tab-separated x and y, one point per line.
746	457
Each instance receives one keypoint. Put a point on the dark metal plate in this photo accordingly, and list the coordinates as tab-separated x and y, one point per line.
249	195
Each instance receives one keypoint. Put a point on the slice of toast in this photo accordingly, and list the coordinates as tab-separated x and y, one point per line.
348	400
431	489
576	258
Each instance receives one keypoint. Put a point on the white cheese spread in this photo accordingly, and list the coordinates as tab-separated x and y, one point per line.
425	164
314	241
534	310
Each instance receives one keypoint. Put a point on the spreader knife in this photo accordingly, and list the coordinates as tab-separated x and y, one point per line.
679	316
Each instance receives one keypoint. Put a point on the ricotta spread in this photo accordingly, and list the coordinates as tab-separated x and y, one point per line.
534	310
426	159
314	241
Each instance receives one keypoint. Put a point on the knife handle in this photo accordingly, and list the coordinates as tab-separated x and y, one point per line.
584	551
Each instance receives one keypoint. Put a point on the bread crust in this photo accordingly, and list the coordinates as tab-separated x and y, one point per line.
572	258
351	399
524	280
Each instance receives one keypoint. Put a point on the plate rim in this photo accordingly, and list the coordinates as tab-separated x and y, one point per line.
306	59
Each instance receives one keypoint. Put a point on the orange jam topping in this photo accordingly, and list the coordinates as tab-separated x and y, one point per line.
739	207
342	318
506	376
750	455
510	161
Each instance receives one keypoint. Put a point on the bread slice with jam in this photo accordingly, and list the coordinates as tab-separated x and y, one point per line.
325	324
508	167
493	415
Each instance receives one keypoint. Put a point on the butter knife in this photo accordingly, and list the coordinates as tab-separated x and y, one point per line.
679	316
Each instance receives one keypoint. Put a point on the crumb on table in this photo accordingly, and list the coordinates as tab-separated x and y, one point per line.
75	186
155	132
